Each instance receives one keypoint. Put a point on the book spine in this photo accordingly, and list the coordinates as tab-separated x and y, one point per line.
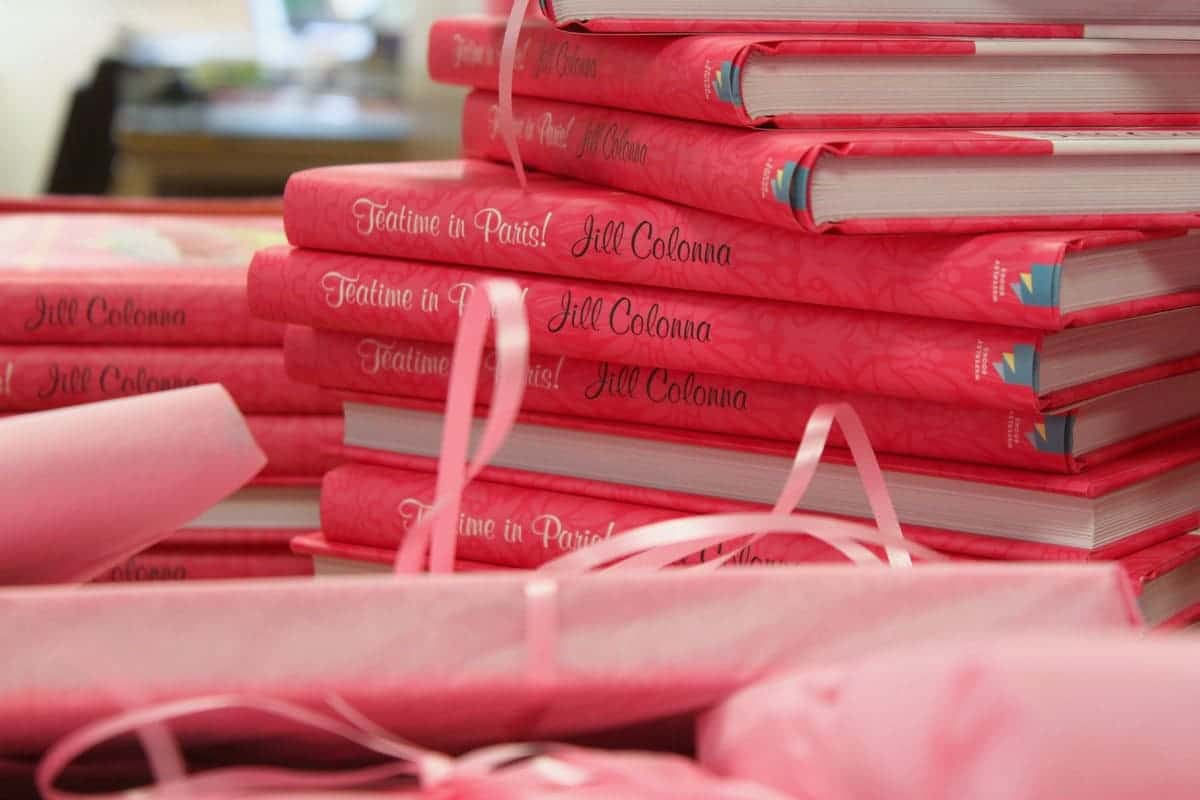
297	446
888	354
500	525
771	548
688	77
743	173
167	563
130	307
600	390
38	377
577	231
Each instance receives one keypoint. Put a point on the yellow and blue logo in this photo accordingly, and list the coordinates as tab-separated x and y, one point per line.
1051	435
1019	368
789	185
727	83
1039	286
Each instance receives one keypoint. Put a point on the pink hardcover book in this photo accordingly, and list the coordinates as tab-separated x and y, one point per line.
121	278
167	562
36	377
1060	18
372	507
794	82
1109	511
340	558
1063	441
864	181
297	445
501	525
577	230
850	350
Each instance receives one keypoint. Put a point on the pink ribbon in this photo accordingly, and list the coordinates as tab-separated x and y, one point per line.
429	768
508	64
653	546
437	533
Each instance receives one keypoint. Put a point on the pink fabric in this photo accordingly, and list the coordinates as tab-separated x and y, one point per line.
1019	719
87	487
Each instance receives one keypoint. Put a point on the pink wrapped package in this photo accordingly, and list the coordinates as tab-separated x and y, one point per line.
456	661
498	772
1022	719
86	487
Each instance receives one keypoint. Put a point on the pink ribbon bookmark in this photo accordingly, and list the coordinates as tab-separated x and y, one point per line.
86	487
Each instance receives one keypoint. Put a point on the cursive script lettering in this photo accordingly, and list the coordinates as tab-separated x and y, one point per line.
612	143
493	225
382	356
372	216
348	290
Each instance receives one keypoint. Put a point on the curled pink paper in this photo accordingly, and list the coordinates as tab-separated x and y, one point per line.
85	487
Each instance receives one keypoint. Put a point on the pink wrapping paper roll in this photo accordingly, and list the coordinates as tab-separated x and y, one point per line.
85	487
1021	719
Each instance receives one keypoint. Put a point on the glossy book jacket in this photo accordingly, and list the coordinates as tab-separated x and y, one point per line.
473	212
845	349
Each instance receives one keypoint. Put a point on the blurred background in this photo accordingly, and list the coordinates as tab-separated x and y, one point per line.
214	97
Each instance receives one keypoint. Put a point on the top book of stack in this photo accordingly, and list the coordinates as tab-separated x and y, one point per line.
1045	18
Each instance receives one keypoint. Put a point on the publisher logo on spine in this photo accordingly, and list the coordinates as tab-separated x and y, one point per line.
727	83
787	184
1018	368
1037	287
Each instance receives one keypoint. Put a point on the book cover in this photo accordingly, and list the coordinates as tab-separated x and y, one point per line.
688	400
844	349
768	176
500	525
120	278
972	544
1121	20
701	77
300	445
39	377
168	562
474	213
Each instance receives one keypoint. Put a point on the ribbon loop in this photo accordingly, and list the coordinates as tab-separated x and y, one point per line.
695	533
508	64
436	534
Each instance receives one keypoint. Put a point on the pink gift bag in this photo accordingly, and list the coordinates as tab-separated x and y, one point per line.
1104	718
457	661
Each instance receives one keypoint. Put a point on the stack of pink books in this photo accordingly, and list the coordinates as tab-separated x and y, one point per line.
983	244
105	299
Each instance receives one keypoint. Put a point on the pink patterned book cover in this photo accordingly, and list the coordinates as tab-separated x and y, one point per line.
474	213
772	176
316	545
688	400
973	545
169	562
297	445
845	349
499	525
121	278
37	377
702	77
1124	19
